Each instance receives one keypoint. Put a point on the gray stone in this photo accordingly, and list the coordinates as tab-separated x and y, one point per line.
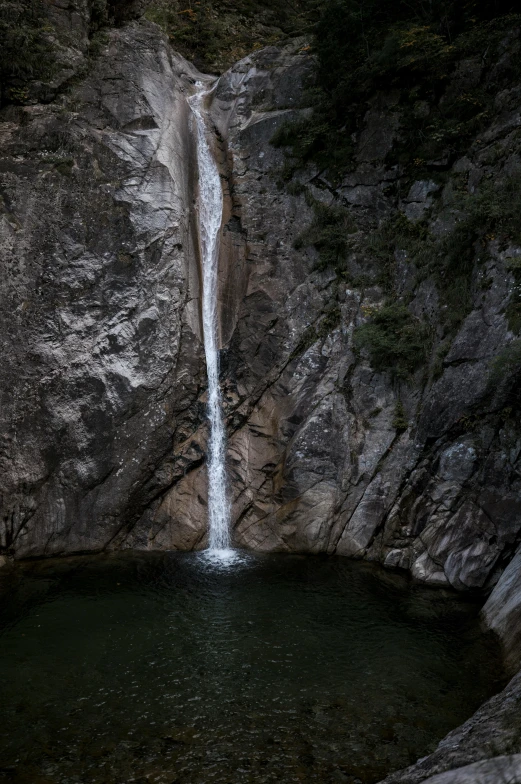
102	425
493	731
419	199
105	433
103	359
498	770
457	462
502	612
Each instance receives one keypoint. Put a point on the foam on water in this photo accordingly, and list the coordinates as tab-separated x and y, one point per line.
221	560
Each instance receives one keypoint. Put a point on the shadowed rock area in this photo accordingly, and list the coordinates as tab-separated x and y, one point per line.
104	428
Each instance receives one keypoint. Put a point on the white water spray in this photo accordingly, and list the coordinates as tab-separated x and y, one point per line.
210	217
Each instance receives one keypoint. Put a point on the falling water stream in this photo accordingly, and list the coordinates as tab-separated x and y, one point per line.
210	217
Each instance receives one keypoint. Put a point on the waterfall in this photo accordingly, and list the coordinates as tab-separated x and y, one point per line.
210	217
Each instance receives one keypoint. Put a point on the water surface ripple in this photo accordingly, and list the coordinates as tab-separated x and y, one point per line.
187	668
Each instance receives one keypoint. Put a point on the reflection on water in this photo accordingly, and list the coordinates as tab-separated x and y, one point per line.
228	668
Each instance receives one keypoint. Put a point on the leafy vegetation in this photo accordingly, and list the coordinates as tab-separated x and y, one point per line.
26	50
330	321
362	47
505	378
492	213
412	49
328	234
216	33
30	47
399	419
395	340
508	362
412	52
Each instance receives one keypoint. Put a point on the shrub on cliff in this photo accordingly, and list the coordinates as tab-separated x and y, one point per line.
26	52
366	46
491	214
214	34
504	381
328	234
395	340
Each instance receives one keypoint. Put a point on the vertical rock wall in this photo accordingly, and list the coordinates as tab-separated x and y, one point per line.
102	362
318	460
102	418
103	422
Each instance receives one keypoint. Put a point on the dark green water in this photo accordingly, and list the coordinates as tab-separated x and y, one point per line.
170	668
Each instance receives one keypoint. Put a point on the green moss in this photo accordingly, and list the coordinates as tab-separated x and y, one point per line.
99	15
513	312
441	353
397	235
124	257
400	422
315	139
64	167
507	363
493	213
504	382
98	41
395	340
295	188
330	321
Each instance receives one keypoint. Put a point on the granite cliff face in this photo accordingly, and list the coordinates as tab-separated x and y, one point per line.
103	366
319	462
103	417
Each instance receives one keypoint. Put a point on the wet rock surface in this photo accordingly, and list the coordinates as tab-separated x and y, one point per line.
504	768
491	733
103	422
